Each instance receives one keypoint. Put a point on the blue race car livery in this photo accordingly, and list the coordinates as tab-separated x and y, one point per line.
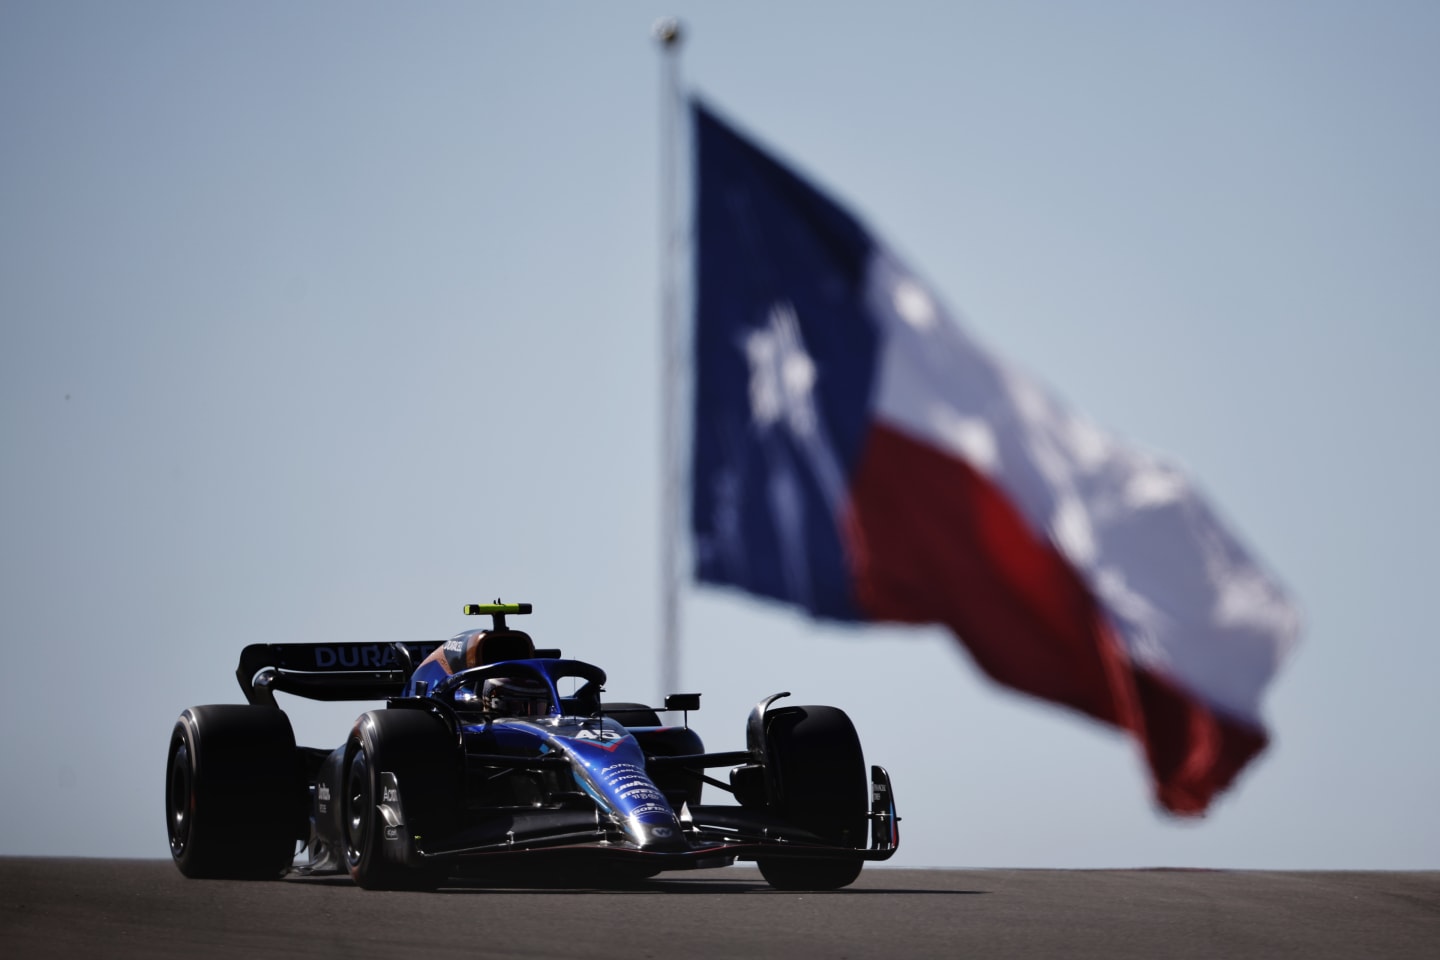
492	758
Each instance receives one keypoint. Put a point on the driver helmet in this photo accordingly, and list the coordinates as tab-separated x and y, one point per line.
515	697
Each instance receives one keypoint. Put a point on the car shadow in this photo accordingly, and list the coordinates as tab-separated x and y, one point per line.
668	886
680	887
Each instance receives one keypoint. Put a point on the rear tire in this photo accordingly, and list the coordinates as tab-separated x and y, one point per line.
632	714
419	749
817	776
234	799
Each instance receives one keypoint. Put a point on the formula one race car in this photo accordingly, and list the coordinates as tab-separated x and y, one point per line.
495	759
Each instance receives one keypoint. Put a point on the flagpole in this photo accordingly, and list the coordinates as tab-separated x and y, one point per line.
667	34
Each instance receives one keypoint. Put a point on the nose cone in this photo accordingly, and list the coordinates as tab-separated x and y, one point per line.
657	837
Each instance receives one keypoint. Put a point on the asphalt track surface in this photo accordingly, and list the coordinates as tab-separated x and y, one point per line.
144	908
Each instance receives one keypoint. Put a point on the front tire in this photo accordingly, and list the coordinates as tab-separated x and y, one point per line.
419	750
234	799
817	782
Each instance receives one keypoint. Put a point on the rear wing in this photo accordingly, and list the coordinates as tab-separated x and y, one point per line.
328	671
363	671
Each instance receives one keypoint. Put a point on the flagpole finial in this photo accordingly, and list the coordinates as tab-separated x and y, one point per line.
667	31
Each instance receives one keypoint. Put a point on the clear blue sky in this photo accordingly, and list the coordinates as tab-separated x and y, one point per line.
318	320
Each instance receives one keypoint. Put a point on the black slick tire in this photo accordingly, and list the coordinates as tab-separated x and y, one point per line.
632	714
234	800
817	782
420	750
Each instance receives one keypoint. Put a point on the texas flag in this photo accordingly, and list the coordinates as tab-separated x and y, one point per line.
858	454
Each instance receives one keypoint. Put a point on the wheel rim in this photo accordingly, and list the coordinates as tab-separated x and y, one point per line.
357	807
180	798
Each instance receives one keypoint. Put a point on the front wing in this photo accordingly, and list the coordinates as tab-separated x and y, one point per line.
716	836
